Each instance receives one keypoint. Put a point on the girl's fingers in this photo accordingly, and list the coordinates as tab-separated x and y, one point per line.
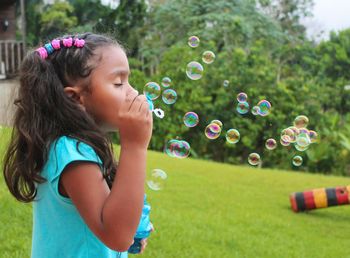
143	245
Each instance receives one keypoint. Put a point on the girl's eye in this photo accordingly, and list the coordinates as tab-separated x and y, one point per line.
118	84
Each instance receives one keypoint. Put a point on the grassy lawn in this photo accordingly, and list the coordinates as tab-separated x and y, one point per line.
209	209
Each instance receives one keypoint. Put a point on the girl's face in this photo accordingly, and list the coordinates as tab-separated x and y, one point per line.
109	87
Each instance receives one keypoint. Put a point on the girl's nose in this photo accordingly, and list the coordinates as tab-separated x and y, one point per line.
131	90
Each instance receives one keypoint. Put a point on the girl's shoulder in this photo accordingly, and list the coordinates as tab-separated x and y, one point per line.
69	146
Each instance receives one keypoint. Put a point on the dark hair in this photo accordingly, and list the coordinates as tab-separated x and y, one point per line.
44	113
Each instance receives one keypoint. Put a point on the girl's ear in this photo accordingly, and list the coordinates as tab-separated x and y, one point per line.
74	93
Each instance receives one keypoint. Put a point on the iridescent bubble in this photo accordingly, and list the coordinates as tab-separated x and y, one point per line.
194	70
226	83
232	136
166	82
242	97
301	121
297	161
191	119
288	135
216	121
296	133
157	179
271	144
169	96
284	143
212	131
208	57
303	130
254	159
182	150
264	107
299	148
151	90
303	140
313	136
255	110
242	108
193	41
177	148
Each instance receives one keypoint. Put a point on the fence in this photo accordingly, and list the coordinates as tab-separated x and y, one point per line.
11	56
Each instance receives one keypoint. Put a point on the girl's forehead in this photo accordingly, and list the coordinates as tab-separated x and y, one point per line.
113	59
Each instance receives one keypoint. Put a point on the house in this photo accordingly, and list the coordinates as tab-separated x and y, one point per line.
12	53
11	49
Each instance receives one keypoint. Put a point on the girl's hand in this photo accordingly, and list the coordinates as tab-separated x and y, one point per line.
135	121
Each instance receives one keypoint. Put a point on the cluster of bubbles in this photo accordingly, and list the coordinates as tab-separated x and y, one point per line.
299	136
263	108
177	149
213	129
194	69
152	91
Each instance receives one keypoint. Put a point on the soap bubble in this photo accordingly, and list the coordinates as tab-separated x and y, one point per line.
300	148
166	82
151	90
232	136
191	119
218	122
177	149
242	108
254	159
301	121
313	136
297	161
288	135
194	70
284	142
271	144
169	96
193	41
212	131
157	179
264	107
242	97
208	57
226	83
303	140
255	110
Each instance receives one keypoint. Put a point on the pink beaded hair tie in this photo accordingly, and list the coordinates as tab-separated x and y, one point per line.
79	43
55	44
68	42
42	52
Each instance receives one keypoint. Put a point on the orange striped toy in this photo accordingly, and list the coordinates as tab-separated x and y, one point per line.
320	198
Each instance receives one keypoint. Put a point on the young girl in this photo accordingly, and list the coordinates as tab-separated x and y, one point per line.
73	92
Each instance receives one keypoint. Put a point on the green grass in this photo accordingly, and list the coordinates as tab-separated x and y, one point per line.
216	210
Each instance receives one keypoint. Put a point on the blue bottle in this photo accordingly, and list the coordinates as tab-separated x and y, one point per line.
143	230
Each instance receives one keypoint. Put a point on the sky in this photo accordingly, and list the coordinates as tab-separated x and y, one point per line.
328	15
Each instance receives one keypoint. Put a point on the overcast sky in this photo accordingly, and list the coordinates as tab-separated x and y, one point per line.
328	15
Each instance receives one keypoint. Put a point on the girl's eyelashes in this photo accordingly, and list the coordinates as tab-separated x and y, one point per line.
118	84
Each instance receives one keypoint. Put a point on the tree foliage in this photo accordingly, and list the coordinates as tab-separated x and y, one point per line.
260	47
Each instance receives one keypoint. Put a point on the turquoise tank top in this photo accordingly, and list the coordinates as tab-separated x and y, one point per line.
58	229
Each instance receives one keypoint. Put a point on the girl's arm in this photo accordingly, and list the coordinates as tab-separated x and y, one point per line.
113	216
